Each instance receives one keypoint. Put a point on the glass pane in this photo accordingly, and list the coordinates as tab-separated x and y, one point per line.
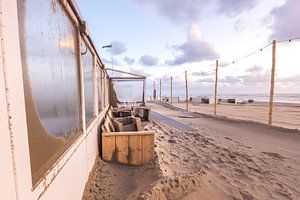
87	63
99	84
127	92
104	89
50	72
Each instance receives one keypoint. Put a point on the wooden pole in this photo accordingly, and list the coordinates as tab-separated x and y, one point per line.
216	88
159	89
271	102
154	91
186	92
171	99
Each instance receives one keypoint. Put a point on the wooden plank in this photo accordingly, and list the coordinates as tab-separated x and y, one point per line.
118	126
147	148
135	150
108	147
138	123
131	133
106	125
110	123
122	149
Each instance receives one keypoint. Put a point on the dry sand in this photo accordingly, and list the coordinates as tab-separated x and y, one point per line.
284	115
220	160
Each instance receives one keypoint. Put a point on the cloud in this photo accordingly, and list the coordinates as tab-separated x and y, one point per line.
286	20
232	8
140	72
148	60
194	49
230	79
189	11
206	80
129	61
254	69
118	47
290	79
240	25
257	78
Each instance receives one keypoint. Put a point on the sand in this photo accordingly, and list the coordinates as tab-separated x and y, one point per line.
222	159
284	115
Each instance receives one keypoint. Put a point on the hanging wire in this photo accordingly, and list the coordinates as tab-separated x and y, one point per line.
248	55
262	48
289	40
208	73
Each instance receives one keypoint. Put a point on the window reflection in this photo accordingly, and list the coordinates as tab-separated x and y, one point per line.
127	91
87	63
99	87
50	73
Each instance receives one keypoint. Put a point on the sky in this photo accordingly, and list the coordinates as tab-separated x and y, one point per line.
163	38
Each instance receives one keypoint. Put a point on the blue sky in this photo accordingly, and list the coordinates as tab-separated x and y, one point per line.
162	38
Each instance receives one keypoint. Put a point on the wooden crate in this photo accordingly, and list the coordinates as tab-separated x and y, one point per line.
125	124
142	112
121	112
130	148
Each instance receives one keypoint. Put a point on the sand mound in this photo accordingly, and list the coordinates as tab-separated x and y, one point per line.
199	165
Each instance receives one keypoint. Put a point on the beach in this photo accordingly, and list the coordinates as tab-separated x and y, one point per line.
285	115
219	159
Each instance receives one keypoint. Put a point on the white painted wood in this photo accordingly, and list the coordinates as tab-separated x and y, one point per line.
67	178
6	167
12	68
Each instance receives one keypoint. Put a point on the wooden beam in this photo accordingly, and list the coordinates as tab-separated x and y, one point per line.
128	73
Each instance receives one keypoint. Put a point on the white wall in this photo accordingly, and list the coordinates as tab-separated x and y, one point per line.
67	179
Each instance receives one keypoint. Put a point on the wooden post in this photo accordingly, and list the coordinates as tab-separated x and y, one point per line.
216	88
171	100
159	89
154	91
272	82
186	92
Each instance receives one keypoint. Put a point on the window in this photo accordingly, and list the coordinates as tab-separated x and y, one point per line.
50	72
99	87
127	91
88	74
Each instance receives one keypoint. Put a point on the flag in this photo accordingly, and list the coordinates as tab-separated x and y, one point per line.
107	46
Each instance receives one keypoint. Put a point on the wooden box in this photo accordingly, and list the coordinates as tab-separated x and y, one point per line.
127	124
141	112
130	148
121	112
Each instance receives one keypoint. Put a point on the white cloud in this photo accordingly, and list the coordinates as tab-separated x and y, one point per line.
232	8
254	69
140	72
286	20
148	60
194	49
188	11
129	61
118	48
